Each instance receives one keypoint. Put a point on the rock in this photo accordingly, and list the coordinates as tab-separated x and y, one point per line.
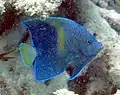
102	77
19	79
64	92
101	3
108	36
95	1
118	92
117	2
112	17
2	7
37	7
114	4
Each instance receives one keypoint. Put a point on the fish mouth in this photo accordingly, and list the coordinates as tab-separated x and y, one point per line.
92	55
83	54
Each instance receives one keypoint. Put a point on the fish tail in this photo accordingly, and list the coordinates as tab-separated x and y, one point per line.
27	53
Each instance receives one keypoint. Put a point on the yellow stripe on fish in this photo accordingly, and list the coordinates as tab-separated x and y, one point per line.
60	33
61	38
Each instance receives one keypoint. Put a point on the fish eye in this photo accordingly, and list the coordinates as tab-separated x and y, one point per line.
89	42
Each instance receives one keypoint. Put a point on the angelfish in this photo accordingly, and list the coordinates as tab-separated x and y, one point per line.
58	42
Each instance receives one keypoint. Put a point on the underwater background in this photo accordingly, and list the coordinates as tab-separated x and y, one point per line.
100	77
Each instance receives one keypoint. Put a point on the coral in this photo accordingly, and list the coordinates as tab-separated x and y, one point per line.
95	79
117	1
64	92
68	9
100	81
112	17
114	5
118	92
101	3
108	71
102	77
2	7
22	90
79	85
24	38
4	90
20	80
37	7
10	17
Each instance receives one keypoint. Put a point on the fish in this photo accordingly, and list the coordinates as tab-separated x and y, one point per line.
59	43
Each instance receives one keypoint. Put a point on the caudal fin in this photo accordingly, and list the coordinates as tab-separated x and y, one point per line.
28	54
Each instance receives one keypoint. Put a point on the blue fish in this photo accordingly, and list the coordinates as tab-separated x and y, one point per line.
59	42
